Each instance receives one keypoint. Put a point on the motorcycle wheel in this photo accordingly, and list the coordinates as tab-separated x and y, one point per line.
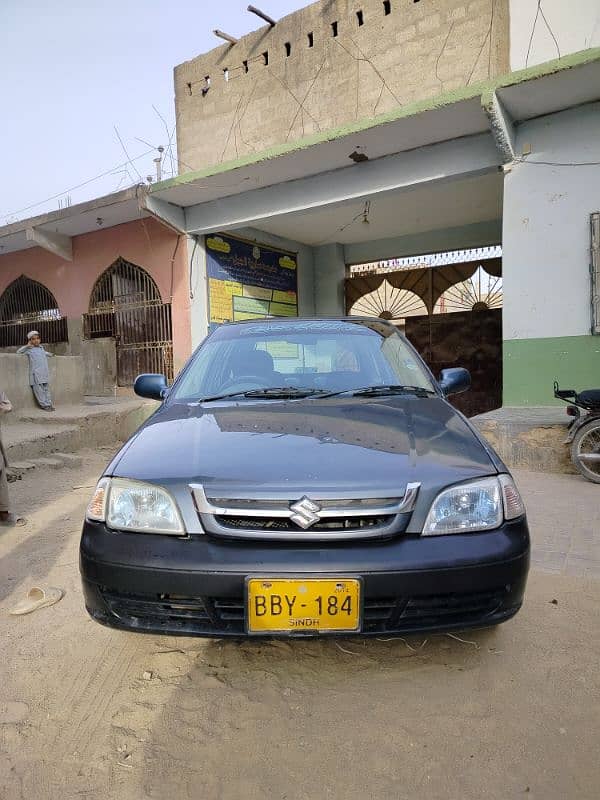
585	450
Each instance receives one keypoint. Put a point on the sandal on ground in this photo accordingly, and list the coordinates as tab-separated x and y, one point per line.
37	598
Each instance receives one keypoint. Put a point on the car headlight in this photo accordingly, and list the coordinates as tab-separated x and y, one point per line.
480	505
134	506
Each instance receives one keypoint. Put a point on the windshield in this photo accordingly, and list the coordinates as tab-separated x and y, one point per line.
316	356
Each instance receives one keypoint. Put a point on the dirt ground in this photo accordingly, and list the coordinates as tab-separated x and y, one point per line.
512	713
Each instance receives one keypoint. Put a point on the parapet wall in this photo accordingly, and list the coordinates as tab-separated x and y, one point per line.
331	63
66	379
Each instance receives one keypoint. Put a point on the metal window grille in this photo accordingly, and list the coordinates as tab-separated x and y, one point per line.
595	271
27	304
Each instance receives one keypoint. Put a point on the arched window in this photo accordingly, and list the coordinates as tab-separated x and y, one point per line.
27	304
123	284
125	304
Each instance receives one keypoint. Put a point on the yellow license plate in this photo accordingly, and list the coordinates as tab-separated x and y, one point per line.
303	606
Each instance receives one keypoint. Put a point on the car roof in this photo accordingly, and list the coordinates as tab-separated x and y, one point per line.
371	322
279	320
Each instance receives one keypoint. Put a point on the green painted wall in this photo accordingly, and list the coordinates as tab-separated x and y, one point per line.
532	365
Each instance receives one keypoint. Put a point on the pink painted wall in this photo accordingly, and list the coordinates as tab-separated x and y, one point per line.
146	243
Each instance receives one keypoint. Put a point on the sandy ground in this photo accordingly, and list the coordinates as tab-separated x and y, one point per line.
511	713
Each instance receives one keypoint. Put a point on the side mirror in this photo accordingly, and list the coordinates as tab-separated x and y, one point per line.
155	387
455	380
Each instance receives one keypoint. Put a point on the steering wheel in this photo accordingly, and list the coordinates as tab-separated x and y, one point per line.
254	381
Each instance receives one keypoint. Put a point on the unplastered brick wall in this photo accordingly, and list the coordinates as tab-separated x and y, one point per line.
331	63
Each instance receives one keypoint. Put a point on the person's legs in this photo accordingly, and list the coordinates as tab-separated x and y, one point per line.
42	395
49	396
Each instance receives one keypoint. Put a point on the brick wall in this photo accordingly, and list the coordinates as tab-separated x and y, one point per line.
243	99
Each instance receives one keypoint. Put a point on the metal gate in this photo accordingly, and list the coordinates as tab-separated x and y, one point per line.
27	304
452	314
126	305
470	339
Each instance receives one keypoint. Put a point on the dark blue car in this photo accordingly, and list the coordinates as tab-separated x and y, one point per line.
305	477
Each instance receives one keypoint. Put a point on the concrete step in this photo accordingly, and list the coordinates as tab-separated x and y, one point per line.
71	460
21	467
26	442
39	435
56	461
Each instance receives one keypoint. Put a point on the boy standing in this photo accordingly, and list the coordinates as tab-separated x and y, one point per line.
39	376
6	518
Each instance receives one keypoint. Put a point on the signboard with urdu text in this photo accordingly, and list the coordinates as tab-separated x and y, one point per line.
249	281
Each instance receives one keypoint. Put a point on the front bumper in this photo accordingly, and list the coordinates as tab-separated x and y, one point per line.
196	586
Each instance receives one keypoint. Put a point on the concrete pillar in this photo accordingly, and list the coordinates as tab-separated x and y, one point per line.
330	272
75	332
199	290
547	317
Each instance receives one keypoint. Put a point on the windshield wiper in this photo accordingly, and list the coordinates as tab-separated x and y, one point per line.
381	391
295	392
284	391
272	392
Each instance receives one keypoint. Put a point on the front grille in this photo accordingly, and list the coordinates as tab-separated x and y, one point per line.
325	517
226	616
433	610
366	504
177	614
282	524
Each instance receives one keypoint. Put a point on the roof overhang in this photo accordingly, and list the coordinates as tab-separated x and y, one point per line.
492	107
55	231
282	180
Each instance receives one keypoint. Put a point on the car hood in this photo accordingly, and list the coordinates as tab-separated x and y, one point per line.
307	446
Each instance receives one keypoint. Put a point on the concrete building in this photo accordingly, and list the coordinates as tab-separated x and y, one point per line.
100	279
354	132
329	64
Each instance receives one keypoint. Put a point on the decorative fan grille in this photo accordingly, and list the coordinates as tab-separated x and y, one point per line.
479	293
388	302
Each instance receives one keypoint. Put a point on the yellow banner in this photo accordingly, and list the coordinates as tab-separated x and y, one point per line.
282	310
285	297
258	292
221	299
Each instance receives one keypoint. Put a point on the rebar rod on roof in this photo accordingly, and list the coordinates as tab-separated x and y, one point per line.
262	15
226	36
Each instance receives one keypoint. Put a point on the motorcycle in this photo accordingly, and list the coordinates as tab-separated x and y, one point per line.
584	429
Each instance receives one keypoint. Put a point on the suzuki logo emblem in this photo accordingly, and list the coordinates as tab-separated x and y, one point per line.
306	512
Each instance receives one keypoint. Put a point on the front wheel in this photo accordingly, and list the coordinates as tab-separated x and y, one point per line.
585	450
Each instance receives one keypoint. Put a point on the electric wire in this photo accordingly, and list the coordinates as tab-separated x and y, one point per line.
129	161
540	11
558	163
110	171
